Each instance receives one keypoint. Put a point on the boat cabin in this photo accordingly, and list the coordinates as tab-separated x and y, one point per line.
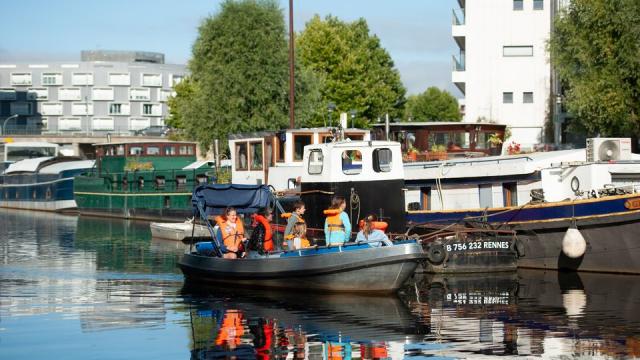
276	157
144	155
429	141
368	174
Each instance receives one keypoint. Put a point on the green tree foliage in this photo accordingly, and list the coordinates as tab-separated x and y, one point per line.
354	71
595	47
432	105
239	75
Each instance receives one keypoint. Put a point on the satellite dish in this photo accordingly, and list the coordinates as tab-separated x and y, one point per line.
609	150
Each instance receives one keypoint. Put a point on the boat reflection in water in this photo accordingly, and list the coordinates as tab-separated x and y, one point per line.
276	324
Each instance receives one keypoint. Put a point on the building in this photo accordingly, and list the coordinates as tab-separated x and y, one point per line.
503	66
115	92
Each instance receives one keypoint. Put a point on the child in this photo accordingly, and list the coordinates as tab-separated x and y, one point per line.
337	226
294	218
300	236
370	234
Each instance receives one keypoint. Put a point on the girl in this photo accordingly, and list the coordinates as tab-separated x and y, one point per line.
337	226
232	231
300	236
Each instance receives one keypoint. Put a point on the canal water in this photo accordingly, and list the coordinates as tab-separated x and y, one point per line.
93	288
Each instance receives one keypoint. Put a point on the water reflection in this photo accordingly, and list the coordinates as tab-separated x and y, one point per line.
103	286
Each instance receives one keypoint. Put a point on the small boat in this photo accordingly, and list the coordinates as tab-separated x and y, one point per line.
178	231
351	267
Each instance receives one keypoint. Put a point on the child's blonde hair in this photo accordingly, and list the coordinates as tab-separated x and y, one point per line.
300	230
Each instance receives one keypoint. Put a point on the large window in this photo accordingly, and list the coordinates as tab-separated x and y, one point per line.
78	108
139	123
151	79
299	142
20	79
51	109
37	93
140	94
241	156
382	160
82	79
69	94
70	124
102	124
102	94
119	79
315	162
351	162
256	155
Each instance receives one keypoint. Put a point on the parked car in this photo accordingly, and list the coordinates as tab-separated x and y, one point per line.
154	130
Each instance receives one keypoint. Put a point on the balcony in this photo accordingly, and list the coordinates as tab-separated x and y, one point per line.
458	27
458	74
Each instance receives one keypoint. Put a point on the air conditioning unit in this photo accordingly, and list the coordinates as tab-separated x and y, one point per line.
608	149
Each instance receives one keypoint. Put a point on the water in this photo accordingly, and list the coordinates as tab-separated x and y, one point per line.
95	288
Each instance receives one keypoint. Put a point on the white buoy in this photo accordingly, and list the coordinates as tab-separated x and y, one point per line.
573	243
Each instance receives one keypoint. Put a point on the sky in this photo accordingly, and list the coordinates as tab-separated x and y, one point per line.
416	33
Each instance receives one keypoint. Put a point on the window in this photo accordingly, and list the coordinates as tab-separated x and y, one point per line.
169	150
382	160
21	108
516	51
538	4
37	93
69	94
507	98
70	123
81	108
139	123
164	95
45	123
51	109
139	94
186	150
102	94
153	150
351	162
527	97
354	136
299	142
119	79
256	155
152	109
315	162
151	80
510	194
518	4
119	109
486	196
281	145
135	150
241	156
20	79
8	94
425	198
82	79
102	124
176	79
52	79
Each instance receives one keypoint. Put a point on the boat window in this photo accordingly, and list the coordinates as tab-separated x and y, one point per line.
482	140
299	142
120	150
351	162
353	136
183	150
153	150
241	156
201	179
281	146
269	153
167	202
326	138
160	182
510	194
190	150
140	182
110	151
135	150
486	195
181	181
315	162
169	150
256	155
382	160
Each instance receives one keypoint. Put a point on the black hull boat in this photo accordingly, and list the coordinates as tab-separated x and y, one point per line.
350	268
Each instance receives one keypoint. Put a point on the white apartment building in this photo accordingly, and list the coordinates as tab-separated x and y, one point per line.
503	66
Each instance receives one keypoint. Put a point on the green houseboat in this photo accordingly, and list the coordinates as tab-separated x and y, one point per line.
148	180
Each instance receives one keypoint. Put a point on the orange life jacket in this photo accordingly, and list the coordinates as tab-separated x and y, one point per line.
268	237
377	225
231	236
334	221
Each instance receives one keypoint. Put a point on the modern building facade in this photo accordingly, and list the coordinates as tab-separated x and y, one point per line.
503	66
115	92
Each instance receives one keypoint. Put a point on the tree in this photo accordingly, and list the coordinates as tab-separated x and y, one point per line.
355	72
432	105
239	75
595	48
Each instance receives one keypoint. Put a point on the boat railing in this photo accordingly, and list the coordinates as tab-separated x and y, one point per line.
433	165
170	181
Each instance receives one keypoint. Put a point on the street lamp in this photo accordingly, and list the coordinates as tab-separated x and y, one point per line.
353	118
330	109
4	125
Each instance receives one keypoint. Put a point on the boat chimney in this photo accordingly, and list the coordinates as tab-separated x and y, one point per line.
386	126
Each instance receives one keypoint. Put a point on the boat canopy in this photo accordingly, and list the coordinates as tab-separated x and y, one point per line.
26	165
246	199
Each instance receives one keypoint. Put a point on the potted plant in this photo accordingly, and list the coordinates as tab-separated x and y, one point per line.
495	140
412	153
438	152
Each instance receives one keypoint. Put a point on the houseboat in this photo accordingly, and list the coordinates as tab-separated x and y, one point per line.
149	180
42	183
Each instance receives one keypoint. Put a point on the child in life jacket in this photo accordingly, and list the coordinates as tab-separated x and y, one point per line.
299	233
261	240
337	226
293	218
371	232
232	231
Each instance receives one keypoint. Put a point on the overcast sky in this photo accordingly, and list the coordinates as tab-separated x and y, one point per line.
417	33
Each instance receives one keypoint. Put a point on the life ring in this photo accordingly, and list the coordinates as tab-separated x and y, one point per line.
436	254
